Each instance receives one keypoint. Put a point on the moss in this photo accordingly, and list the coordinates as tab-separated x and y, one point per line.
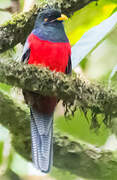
69	155
19	27
16	120
75	92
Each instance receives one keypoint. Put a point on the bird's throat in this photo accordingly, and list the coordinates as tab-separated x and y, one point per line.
52	33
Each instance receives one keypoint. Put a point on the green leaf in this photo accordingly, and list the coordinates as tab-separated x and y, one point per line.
114	1
5	87
1	151
88	17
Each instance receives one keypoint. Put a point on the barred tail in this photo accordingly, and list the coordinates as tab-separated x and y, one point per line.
42	144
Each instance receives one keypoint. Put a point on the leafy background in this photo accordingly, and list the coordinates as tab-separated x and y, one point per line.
96	66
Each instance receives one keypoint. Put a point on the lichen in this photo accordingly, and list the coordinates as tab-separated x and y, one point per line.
18	28
74	91
69	155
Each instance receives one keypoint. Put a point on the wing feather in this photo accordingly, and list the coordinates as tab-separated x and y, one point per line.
69	66
26	53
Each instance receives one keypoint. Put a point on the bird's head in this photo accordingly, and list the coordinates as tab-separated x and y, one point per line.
50	17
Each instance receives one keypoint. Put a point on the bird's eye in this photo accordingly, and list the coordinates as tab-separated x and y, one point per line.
46	19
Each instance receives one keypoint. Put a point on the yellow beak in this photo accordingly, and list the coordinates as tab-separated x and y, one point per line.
62	18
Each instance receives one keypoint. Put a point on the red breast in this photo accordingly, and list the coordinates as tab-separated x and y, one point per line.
49	54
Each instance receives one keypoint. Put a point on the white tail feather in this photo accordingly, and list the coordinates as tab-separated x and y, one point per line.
42	144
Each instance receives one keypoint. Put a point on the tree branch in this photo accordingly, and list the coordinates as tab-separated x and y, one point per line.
15	7
17	29
74	91
69	155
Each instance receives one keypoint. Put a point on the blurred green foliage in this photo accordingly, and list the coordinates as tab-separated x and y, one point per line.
78	127
63	175
1	151
88	17
4	3
4	16
5	87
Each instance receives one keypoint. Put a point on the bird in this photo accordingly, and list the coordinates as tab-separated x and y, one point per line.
47	45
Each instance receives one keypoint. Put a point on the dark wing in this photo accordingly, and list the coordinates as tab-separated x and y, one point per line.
69	66
26	53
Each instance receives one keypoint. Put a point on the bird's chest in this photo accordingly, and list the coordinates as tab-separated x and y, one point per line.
54	55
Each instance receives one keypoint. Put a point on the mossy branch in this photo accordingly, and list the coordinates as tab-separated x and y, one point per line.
74	91
17	29
69	155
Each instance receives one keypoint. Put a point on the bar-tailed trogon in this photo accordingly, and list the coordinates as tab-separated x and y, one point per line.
47	45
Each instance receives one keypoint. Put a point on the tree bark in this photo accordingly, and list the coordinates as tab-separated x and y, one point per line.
74	91
17	29
69	155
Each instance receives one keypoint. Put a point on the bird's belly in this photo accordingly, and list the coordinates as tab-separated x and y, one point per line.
49	54
42	104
